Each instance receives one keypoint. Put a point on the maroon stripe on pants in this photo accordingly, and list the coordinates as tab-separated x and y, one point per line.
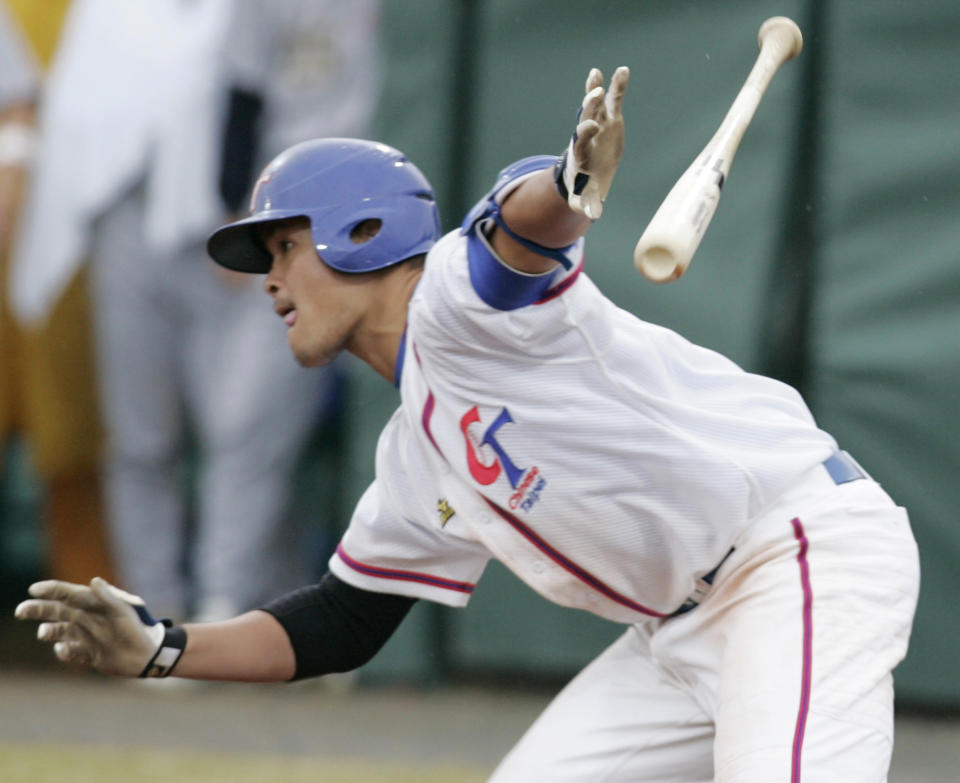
801	726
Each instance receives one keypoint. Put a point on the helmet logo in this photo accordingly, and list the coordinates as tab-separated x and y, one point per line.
265	177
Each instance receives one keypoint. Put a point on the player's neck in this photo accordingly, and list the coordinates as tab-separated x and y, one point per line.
377	338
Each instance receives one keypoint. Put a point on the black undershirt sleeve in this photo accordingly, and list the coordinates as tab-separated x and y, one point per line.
241	142
335	627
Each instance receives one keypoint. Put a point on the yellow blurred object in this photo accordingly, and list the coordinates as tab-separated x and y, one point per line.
48	383
40	24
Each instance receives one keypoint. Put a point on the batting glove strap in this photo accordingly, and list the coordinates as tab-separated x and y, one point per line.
168	653
566	180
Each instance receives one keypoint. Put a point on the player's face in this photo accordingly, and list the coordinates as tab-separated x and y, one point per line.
320	306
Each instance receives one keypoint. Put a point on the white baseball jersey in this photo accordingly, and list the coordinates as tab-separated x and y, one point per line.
608	462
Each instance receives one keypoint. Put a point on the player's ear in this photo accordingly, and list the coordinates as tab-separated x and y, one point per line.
365	230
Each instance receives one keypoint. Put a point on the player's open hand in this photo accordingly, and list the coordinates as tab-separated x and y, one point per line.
594	153
95	625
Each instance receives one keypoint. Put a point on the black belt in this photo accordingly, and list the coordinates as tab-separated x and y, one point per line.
702	589
842	469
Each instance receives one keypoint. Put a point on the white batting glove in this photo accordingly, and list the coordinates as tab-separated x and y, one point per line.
102	627
585	171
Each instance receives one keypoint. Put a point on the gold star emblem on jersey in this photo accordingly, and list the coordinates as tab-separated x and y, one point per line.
446	511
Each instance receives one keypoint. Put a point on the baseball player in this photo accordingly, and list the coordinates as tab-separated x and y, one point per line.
766	584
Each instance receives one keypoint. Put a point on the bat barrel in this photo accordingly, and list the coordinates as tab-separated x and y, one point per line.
659	264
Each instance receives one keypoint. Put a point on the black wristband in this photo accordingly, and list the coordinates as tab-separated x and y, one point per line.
168	653
579	181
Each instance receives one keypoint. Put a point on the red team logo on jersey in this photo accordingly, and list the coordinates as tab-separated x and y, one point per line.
528	484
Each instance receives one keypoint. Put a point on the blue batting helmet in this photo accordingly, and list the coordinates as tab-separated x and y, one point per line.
336	184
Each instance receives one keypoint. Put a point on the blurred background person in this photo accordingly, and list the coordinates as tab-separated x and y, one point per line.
47	384
156	116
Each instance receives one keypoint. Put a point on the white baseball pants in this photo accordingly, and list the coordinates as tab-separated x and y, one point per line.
781	675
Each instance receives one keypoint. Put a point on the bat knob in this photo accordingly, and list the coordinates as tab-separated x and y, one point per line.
786	33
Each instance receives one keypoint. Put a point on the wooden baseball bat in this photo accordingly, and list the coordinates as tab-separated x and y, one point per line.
670	240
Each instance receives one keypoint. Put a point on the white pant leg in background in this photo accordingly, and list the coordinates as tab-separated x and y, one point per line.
782	675
254	409
179	348
139	379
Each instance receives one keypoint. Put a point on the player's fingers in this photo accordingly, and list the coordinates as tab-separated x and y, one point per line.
76	595
73	652
618	87
57	632
594	79
586	130
38	609
592	107
54	588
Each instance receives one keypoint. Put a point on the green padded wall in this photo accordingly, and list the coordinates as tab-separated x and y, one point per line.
887	319
882	370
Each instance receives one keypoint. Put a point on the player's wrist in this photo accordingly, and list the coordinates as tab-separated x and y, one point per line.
155	645
566	177
171	641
